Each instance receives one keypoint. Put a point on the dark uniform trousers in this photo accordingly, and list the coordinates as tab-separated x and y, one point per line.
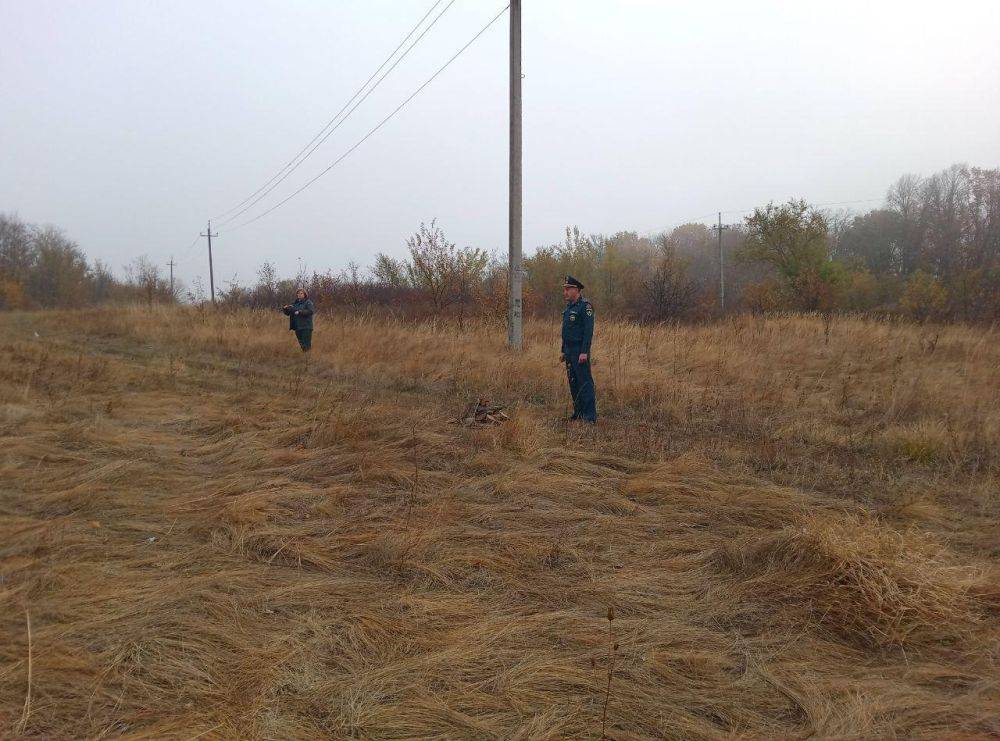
581	386
305	338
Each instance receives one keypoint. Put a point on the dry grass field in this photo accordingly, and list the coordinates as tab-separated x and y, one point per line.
793	526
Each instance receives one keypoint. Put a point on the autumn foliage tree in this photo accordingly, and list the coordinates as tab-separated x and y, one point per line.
446	276
40	267
792	238
931	251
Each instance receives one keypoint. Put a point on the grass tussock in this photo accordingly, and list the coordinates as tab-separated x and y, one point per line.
870	584
202	532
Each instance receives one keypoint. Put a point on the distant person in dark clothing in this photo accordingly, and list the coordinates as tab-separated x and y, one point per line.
300	318
577	334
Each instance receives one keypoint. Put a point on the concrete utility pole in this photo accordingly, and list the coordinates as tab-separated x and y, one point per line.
211	275
722	267
171	264
514	308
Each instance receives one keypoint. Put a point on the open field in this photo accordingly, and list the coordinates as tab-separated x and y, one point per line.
203	533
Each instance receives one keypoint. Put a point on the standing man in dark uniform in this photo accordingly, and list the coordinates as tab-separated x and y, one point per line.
300	318
577	333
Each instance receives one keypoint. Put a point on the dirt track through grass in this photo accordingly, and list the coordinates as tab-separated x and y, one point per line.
211	538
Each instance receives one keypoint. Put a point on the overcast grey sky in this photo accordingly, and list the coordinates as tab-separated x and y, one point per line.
128	123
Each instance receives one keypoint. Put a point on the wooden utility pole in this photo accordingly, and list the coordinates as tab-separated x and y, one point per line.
211	274
722	268
171	264
514	309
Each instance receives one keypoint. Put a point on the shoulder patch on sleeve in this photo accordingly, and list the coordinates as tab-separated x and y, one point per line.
590	309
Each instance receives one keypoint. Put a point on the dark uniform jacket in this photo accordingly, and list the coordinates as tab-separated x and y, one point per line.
577	327
302	320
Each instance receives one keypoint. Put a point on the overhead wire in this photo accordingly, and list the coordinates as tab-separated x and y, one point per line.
337	115
814	205
323	135
187	254
845	203
380	124
314	145
700	219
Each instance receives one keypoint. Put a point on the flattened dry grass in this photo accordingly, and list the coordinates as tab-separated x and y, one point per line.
869	584
212	535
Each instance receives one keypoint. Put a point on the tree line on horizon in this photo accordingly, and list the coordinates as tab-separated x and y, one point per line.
931	252
40	267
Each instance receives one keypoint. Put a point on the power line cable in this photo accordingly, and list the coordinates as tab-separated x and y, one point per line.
845	203
381	123
187	255
330	122
314	144
699	219
813	205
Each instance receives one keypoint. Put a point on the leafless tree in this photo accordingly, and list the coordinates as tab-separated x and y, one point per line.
445	274
143	274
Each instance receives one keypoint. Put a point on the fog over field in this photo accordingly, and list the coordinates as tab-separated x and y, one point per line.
659	477
128	124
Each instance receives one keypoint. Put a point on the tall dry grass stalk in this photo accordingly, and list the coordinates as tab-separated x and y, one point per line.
26	713
795	521
612	658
